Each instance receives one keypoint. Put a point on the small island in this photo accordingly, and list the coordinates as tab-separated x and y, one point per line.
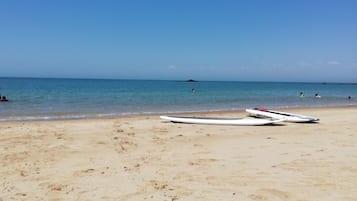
190	80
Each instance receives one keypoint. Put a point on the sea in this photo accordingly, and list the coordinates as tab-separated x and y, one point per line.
56	99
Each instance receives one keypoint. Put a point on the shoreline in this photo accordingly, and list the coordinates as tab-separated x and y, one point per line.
218	112
141	158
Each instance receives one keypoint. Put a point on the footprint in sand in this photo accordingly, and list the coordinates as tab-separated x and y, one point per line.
56	187
124	146
200	162
91	171
135	167
270	194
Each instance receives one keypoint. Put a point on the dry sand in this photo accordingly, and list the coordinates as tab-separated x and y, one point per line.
141	158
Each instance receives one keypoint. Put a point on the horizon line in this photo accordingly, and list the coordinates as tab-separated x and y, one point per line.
179	80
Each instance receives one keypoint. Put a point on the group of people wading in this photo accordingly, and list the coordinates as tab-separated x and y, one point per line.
3	98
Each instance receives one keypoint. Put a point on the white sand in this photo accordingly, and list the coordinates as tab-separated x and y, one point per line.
141	158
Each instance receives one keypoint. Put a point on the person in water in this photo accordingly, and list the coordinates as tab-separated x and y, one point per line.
302	95
317	96
3	99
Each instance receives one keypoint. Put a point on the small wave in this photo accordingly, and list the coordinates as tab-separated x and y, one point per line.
67	116
40	118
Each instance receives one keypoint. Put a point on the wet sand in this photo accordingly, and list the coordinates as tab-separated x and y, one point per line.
141	158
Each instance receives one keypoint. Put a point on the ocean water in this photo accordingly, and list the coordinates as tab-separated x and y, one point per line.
42	99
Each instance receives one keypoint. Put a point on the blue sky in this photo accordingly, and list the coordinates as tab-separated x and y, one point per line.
253	40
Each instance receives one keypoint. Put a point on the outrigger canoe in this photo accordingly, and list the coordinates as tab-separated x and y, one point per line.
289	117
221	121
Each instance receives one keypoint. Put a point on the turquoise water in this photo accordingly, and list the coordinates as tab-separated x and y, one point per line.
39	99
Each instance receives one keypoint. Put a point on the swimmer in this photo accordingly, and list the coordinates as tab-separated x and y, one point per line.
317	96
302	95
3	99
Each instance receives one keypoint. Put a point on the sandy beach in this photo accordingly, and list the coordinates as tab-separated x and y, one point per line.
142	158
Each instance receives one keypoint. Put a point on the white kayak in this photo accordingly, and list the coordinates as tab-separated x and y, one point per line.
290	117
221	121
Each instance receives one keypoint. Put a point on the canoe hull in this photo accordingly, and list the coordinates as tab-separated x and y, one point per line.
220	121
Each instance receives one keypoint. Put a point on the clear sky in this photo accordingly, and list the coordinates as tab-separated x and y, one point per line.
265	40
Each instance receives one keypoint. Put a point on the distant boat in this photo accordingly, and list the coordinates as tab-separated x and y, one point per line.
190	80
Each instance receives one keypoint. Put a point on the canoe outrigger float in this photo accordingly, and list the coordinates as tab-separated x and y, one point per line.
289	117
